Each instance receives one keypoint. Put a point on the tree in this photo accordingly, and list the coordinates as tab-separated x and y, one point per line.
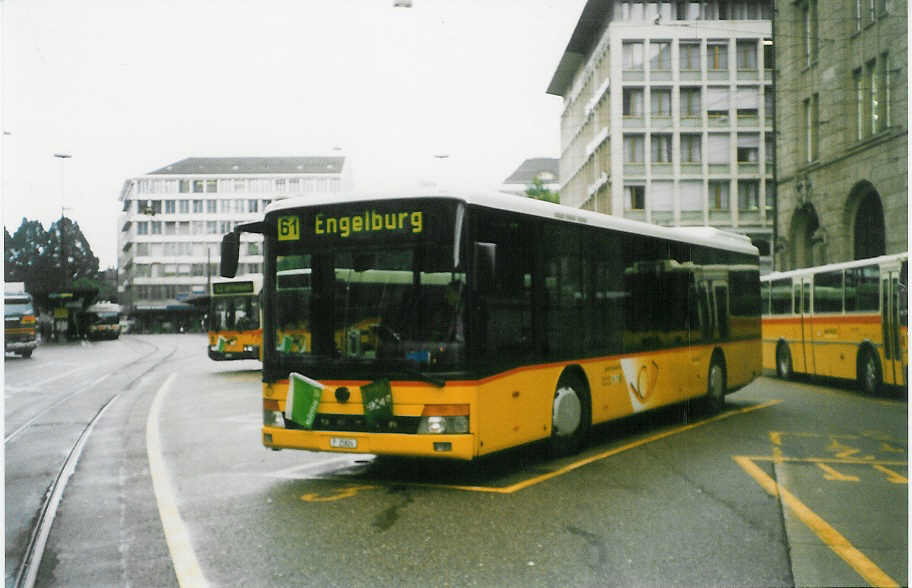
35	256
538	191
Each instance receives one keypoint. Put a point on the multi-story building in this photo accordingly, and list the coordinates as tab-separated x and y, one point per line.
173	220
842	100
668	114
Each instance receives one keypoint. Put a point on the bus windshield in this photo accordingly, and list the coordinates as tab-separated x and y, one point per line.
235	313
17	305
401	305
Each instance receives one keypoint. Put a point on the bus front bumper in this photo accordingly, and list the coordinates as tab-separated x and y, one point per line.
253	353
412	445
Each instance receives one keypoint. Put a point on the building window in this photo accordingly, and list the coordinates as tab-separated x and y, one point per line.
661	102
717	148
661	148
280	185
859	104
633	55
748	147
142	249
198	186
170	207
225	206
212	227
252	205
691	148
748	195
717	102
253	248
691	196
747	54
183	228
747	103
142	228
884	79
197	227
718	195
198	206
717	56
156	227
240	185
689	55
873	97
633	148
170	228
691	105
633	102
809	14
211	206
634	197
811	127
225	227
769	55
184	186
660	55
211	186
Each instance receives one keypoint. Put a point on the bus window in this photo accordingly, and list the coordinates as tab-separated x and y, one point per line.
780	297
862	288
563	288
796	298
828	291
765	288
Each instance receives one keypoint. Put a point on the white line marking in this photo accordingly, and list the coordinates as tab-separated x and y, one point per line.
186	566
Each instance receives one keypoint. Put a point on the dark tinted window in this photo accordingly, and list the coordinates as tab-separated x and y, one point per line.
862	290
781	297
828	291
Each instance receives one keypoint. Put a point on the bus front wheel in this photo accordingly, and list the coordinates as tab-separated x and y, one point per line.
869	376
571	415
783	361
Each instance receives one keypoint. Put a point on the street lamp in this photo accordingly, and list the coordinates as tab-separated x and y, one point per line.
63	258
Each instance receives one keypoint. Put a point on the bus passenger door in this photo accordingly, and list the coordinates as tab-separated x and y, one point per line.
807	326
893	315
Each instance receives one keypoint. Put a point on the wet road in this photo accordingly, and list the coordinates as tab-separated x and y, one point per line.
795	483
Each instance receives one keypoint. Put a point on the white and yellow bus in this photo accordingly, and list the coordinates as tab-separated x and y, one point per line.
234	319
457	326
842	320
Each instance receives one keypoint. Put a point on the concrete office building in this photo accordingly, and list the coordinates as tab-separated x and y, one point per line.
668	114
842	90
173	219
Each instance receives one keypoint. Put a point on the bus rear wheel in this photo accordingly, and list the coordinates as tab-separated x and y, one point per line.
783	361
869	376
571	416
716	385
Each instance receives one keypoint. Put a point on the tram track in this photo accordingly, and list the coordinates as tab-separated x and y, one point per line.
27	572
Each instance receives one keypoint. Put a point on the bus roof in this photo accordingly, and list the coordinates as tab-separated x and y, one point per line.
105	307
883	259
707	236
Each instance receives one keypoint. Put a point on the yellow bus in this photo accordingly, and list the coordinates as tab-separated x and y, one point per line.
234	319
457	326
842	320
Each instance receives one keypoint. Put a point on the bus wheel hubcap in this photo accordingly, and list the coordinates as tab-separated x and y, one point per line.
567	411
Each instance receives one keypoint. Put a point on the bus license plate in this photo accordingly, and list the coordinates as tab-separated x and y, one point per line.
343	442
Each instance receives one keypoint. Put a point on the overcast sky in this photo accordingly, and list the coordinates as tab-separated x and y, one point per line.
129	86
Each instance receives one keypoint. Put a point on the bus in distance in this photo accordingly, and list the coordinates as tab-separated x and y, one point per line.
842	320
234	319
458	326
101	320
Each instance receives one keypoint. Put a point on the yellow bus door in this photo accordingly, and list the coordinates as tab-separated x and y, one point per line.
894	351
807	327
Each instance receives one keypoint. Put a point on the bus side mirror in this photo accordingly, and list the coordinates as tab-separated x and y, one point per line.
485	263
228	262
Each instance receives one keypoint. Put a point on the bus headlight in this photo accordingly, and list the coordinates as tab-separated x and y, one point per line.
440	419
273	418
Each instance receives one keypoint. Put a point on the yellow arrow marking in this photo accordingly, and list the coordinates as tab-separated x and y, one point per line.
893	477
832	474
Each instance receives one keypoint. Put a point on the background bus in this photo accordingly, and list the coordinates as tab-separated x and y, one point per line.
20	327
457	327
101	321
843	320
234	319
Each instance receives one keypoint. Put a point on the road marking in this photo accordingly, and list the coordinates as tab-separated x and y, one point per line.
830	536
892	477
186	566
833	474
592	458
338	494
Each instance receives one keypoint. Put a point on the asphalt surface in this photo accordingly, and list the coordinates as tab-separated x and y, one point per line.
675	497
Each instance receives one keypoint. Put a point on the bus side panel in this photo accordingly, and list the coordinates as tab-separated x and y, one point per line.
786	329
515	408
770	340
742	362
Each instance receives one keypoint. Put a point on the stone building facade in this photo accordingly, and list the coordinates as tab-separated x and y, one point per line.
842	130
